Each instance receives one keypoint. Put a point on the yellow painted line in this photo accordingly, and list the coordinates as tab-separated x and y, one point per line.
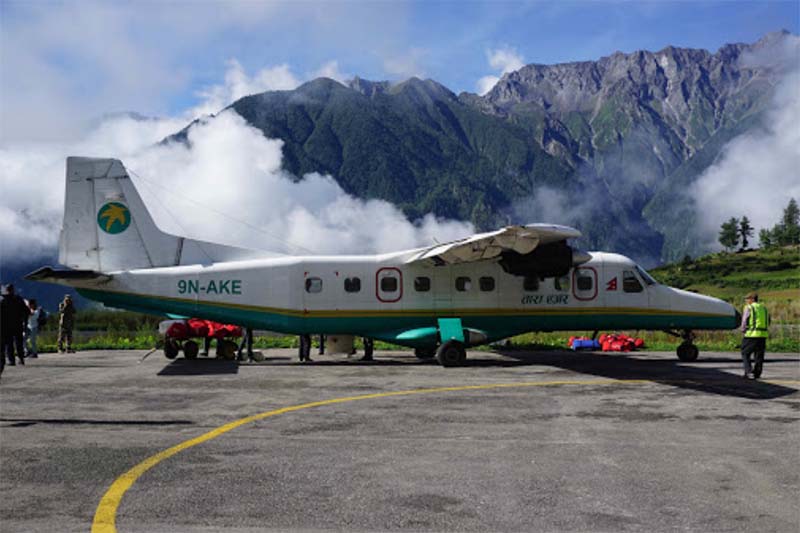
106	513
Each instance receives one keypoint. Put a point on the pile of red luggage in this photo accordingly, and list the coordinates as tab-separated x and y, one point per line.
197	327
618	342
615	342
178	335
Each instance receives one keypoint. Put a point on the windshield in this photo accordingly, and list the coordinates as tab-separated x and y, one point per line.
645	276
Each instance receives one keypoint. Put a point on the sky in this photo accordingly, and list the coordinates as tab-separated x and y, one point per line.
62	63
67	68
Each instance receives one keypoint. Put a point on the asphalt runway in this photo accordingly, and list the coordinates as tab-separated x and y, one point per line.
527	441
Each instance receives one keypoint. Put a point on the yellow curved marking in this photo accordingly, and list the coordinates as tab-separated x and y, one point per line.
106	513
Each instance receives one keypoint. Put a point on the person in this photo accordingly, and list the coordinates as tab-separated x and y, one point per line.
2	332
14	318
305	348
247	341
66	321
35	320
755	327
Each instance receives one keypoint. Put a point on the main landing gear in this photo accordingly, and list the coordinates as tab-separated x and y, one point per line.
451	353
687	351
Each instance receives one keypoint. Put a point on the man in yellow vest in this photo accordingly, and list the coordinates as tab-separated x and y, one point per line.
755	326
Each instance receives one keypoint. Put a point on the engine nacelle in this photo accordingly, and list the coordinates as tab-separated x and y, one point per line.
546	261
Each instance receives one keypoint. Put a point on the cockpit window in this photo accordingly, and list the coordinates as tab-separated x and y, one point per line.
645	276
630	283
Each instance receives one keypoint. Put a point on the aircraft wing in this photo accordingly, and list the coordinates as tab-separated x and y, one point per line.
485	246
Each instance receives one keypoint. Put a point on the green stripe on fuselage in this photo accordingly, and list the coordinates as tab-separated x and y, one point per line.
378	325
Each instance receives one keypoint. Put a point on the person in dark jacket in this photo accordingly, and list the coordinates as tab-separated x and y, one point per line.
14	312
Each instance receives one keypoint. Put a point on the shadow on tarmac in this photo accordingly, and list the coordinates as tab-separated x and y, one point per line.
665	372
199	367
25	422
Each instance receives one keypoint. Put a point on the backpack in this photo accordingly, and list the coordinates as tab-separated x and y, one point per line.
42	320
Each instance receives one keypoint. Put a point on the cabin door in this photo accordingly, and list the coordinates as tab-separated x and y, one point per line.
389	285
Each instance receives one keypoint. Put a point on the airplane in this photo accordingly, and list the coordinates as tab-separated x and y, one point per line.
437	300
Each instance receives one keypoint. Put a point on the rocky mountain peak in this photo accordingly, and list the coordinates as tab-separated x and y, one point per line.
368	88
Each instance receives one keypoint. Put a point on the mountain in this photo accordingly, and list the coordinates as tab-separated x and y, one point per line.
609	146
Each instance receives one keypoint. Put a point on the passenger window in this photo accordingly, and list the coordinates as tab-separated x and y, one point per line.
562	283
463	284
486	283
422	284
313	285
630	283
584	281
352	284
530	283
389	284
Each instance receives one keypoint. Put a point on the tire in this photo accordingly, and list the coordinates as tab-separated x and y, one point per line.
171	349
688	352
451	353
190	349
425	354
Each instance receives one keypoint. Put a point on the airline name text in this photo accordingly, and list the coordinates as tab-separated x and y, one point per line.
551	299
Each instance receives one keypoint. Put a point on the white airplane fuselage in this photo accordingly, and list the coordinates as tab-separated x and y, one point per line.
382	297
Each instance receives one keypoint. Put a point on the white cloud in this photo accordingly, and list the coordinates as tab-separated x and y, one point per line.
504	60
330	70
238	84
229	168
757	172
406	65
313	213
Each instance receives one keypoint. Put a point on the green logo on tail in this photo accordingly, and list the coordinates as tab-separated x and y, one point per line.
113	218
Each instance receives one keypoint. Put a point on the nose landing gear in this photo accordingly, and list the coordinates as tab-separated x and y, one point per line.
687	351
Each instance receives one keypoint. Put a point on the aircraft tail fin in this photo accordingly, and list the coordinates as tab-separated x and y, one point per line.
108	228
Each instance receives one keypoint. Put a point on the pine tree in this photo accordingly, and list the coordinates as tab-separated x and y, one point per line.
729	234
765	238
790	225
745	231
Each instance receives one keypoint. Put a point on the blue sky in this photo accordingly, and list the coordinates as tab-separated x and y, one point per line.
74	59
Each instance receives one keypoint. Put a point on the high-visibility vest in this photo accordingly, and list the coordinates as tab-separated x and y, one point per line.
758	321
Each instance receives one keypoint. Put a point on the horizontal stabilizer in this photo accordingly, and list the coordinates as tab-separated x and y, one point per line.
52	275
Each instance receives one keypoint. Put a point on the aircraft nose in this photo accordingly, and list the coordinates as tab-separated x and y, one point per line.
738	317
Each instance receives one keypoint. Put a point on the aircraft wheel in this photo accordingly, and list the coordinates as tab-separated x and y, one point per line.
688	352
451	353
425	353
171	349
190	349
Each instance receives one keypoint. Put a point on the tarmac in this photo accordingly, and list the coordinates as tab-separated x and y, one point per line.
521	441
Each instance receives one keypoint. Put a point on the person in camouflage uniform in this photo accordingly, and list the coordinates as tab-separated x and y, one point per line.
66	321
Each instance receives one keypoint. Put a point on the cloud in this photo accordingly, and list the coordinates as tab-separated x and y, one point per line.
756	173
225	182
238	84
504	60
313	213
330	70
406	65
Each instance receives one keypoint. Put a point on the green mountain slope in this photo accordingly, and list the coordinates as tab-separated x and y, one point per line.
610	146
